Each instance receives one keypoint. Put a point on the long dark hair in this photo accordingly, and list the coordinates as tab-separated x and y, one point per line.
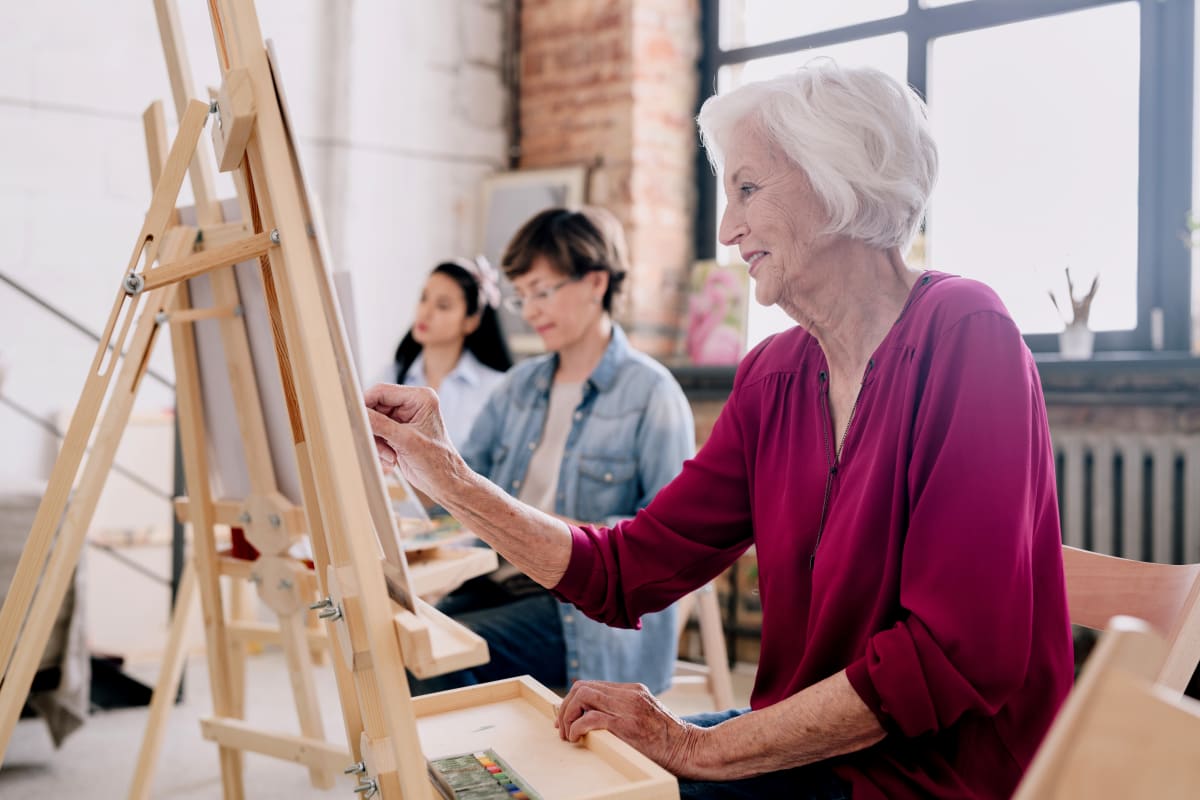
486	342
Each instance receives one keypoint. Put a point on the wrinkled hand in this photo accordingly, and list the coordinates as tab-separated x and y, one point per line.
634	715
409	433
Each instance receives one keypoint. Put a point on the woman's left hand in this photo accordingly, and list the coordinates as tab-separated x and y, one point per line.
634	715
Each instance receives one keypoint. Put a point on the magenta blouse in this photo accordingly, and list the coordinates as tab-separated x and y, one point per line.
925	561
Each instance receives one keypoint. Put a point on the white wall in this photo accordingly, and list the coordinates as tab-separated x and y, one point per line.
399	109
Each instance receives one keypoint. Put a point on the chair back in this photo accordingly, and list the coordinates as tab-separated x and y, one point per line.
1119	735
1167	596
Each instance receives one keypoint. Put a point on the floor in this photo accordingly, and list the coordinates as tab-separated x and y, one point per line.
98	760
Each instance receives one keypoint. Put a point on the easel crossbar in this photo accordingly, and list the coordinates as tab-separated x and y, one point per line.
199	263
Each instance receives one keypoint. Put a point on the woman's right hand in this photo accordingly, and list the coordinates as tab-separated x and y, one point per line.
409	434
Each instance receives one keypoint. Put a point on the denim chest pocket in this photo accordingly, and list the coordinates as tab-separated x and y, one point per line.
607	487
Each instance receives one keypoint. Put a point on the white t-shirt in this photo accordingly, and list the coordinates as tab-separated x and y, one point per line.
541	478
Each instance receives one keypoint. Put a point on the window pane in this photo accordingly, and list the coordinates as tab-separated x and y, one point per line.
1039	162
888	53
750	22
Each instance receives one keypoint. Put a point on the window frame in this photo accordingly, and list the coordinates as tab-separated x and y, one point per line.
1165	122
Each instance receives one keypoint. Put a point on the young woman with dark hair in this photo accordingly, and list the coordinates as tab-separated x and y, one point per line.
455	345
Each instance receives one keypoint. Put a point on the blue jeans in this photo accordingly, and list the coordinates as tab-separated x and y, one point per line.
812	782
524	637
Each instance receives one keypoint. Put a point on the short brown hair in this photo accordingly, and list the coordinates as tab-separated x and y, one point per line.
574	242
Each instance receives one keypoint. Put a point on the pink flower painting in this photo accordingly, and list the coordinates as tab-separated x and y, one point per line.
716	331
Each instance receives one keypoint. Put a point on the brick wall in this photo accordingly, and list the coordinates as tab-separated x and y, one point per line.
611	84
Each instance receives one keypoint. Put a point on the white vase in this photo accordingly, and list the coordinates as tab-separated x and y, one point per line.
1075	342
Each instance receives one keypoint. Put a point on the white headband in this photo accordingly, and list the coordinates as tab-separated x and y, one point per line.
486	276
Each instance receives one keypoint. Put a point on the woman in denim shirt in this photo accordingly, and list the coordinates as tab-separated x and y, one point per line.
589	432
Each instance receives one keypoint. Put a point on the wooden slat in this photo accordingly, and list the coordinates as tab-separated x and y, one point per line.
210	259
166	688
194	448
237	734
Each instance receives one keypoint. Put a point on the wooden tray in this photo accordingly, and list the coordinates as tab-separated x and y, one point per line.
515	717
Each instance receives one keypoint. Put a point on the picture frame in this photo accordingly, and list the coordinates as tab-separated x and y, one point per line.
509	199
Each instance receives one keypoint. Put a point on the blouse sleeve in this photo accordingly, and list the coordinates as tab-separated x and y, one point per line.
692	529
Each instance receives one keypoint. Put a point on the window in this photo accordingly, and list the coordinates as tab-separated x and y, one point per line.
1051	156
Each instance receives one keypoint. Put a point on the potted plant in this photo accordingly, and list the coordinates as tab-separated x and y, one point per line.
1077	339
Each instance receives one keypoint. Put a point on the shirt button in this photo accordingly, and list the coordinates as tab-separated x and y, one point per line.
578	415
516	484
608	477
568	617
533	445
574	663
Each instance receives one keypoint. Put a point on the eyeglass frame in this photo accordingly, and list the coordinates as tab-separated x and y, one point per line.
516	304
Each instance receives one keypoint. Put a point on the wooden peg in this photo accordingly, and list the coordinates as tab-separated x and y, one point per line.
235	119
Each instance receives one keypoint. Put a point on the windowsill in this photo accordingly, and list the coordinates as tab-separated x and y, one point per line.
1108	378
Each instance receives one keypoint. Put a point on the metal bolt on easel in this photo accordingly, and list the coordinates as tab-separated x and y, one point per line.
275	520
367	788
133	283
357	768
275	235
326	609
285	584
244	518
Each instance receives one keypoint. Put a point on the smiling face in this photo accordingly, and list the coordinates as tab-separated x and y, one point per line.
442	318
562	316
775	219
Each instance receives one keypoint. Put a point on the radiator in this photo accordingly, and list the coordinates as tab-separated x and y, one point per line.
1130	495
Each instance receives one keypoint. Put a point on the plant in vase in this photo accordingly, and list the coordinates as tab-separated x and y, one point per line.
1076	340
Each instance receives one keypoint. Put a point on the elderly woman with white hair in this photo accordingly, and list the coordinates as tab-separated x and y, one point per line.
888	457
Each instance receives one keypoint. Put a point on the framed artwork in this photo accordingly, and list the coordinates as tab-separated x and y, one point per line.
509	200
716	317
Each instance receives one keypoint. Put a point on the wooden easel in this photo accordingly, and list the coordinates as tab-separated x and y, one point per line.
377	625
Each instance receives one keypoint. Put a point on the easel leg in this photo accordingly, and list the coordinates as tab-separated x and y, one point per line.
241	608
167	687
195	459
712	639
300	671
66	548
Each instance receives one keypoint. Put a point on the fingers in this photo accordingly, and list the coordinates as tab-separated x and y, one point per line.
591	720
401	403
387	456
594	705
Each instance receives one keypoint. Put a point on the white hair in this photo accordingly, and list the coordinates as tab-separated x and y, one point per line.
861	137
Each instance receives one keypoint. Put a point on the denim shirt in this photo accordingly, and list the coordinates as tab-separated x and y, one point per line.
629	437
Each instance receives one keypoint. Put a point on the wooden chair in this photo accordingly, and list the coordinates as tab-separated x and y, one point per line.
714	672
1119	734
1167	596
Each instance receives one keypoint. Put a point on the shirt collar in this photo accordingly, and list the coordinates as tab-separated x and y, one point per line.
604	374
468	370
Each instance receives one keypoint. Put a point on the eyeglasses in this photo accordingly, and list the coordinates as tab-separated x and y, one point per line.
516	304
